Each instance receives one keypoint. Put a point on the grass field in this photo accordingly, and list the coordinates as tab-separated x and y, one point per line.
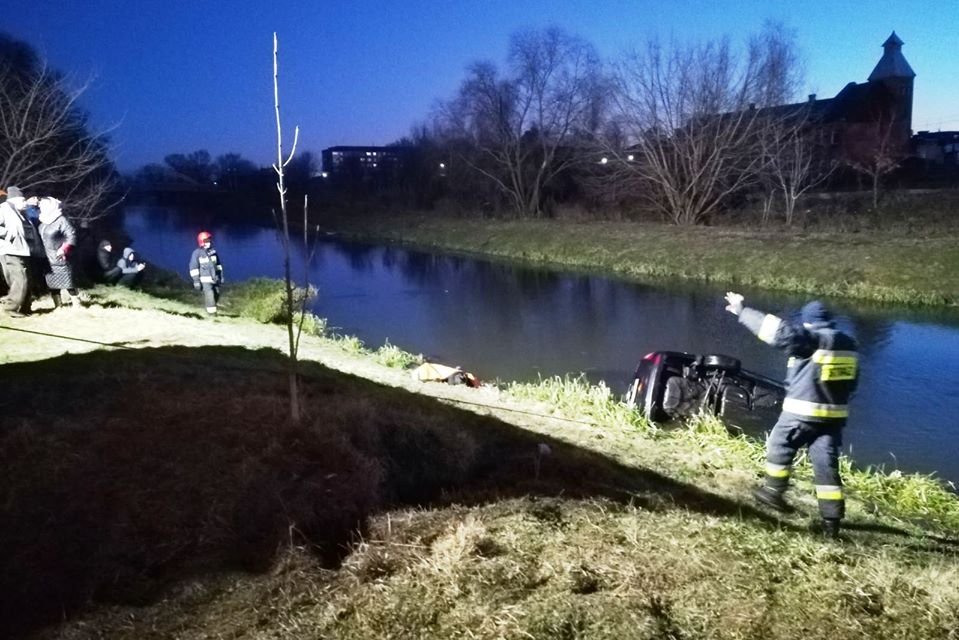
884	266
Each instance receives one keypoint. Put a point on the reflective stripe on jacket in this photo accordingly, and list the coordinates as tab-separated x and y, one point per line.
822	370
205	266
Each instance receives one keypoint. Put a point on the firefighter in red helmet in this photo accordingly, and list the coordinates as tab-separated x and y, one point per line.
206	270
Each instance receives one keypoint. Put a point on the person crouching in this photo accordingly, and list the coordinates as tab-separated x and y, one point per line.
206	270
109	272
131	269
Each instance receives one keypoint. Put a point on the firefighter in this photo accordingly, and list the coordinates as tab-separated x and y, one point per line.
206	271
821	374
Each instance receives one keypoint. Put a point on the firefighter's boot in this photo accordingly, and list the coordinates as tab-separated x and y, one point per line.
772	499
830	528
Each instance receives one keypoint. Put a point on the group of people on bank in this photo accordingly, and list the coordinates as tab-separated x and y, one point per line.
36	240
38	253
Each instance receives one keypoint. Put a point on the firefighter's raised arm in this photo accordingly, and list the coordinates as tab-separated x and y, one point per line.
769	328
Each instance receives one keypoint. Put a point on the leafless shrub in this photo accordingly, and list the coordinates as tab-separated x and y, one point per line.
794	162
877	149
46	145
688	121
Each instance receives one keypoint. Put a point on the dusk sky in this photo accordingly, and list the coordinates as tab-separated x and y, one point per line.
176	76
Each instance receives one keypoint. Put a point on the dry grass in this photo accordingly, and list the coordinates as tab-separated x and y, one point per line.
555	568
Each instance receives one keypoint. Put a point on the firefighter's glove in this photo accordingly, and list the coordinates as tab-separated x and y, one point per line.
196	285
734	303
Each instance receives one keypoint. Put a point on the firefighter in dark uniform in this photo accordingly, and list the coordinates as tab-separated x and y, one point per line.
822	372
206	271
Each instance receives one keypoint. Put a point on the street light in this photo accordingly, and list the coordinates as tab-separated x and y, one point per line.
629	158
603	160
442	165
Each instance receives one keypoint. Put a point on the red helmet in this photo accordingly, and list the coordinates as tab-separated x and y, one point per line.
203	237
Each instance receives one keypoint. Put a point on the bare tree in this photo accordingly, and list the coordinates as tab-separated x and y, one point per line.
779	69
284	224
46	145
521	125
691	125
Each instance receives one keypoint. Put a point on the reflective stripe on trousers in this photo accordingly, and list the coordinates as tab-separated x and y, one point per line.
832	504
829	492
777	470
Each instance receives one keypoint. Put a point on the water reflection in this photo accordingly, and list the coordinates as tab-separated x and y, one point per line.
516	323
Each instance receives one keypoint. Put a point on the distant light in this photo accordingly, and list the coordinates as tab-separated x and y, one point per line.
629	158
604	160
324	175
214	183
442	165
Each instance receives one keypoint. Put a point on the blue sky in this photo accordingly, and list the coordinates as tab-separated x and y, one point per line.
175	76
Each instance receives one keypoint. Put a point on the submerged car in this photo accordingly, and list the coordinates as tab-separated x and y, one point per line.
670	385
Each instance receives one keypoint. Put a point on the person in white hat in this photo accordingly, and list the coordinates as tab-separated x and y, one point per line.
59	239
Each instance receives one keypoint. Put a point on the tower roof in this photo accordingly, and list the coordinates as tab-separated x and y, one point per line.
893	40
892	64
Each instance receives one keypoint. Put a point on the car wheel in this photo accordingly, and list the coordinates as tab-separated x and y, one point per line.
721	362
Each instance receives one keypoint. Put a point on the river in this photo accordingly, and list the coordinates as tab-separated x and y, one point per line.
515	323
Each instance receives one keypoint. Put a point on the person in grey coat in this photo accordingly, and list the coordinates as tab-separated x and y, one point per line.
59	239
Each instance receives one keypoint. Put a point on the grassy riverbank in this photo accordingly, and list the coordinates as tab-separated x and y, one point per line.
884	266
155	489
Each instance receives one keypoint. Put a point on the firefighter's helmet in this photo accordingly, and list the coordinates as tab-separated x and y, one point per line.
203	237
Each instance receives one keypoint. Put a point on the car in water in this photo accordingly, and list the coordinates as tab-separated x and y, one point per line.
671	385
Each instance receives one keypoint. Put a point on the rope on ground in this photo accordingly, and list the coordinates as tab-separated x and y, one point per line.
121	345
112	345
116	345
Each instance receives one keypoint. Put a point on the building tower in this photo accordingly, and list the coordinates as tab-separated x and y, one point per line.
894	73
